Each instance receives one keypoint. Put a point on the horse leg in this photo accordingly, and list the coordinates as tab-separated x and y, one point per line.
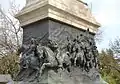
37	74
69	68
43	67
75	61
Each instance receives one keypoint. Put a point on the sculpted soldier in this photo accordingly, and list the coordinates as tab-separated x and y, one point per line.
82	41
30	52
87	51
74	48
95	53
69	45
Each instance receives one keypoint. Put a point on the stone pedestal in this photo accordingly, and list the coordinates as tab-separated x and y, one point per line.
5	79
76	76
41	16
58	20
71	12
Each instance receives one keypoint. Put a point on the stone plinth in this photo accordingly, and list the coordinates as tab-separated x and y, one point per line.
76	76
4	79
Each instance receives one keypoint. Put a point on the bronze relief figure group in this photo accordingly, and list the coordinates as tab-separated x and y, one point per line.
81	51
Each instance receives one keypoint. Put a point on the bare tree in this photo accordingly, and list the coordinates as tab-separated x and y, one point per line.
98	36
10	31
116	45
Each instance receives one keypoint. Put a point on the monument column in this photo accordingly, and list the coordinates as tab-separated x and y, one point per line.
58	20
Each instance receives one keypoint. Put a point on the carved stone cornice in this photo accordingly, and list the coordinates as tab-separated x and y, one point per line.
71	12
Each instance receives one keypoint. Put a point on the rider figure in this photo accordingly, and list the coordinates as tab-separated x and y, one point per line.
32	51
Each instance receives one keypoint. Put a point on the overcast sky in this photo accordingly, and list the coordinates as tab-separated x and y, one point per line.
107	13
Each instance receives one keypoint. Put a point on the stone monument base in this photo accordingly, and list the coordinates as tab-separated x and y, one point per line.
75	76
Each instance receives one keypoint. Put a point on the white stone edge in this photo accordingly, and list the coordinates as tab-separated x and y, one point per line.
52	14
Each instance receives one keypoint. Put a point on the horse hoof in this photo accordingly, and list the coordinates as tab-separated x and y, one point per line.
60	66
75	65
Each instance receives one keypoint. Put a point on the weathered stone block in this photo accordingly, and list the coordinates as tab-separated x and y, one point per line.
6	79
